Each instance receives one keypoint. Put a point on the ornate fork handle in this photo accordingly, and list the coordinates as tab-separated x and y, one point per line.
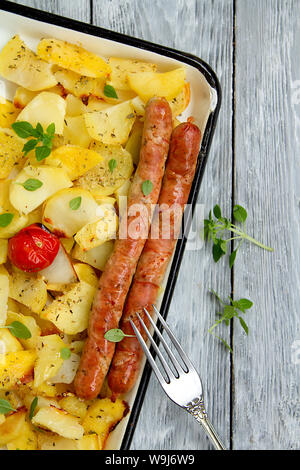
197	409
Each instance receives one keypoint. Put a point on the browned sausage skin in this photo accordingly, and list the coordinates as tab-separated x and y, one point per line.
115	281
180	170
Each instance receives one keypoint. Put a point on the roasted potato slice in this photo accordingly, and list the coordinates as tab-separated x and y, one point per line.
22	66
13	426
8	342
66	374
96	257
28	290
8	113
98	232
52	179
102	416
58	421
61	219
74	160
72	57
14	367
86	273
45	108
180	102
79	85
149	84
27	439
75	106
11	152
70	312
112	125
75	132
75	406
49	359
52	442
32	326
121	67
4	291
133	145
100	180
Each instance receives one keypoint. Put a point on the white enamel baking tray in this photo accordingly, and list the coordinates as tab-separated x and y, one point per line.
32	25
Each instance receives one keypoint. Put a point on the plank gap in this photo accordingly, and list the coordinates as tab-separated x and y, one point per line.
232	205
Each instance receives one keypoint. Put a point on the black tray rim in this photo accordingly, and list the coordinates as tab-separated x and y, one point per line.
212	79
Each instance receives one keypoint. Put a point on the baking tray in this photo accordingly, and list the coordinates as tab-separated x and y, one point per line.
33	24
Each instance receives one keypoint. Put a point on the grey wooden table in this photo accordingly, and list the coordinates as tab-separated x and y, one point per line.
253	45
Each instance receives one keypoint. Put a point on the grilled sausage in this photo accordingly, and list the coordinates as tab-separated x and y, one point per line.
115	281
156	254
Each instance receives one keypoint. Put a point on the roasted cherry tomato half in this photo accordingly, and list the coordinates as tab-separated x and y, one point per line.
33	248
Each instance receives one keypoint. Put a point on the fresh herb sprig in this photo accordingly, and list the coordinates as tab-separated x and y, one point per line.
25	130
18	330
115	335
235	309
214	230
5	407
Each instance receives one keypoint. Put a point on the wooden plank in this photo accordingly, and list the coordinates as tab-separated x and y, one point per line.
266	373
190	26
76	9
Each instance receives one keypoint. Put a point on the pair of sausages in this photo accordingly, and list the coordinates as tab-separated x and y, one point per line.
152	257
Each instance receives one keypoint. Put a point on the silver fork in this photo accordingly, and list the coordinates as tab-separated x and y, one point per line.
182	384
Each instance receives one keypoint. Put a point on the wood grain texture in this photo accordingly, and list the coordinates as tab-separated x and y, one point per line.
76	9
189	26
266	381
266	366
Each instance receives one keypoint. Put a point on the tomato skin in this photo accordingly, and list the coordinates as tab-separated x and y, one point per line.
33	248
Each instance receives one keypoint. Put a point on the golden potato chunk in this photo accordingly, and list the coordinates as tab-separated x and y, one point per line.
75	160
52	179
11	152
100	180
103	416
58	421
26	440
149	84
3	251
45	108
96	257
67	211
72	57
14	367
8	343
30	323
8	113
22	66
4	291
98	232
79	85
28	290
12	427
49	359
70	312
112	125
121	67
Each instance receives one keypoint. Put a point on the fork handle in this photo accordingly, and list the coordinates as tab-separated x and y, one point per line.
199	413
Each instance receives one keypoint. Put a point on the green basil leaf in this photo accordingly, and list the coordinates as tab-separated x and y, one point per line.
51	129
65	353
33	407
30	145
217	252
19	330
232	258
147	187
239	213
112	164
23	129
75	203
217	211
31	184
110	92
5	219
42	152
114	335
244	304
244	325
5	406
